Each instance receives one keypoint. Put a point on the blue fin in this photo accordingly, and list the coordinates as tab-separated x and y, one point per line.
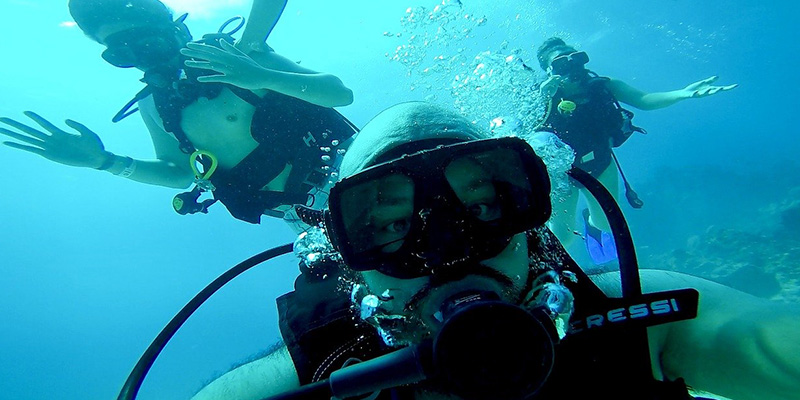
600	244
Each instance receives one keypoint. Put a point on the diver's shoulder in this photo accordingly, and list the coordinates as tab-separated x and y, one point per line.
263	377
653	280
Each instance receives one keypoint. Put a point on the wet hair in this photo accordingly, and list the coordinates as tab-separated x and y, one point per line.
90	15
553	45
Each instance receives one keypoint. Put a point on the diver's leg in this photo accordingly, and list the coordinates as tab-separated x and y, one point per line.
562	221
610	180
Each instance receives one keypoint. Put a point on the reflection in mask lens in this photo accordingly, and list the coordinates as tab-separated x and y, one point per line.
378	213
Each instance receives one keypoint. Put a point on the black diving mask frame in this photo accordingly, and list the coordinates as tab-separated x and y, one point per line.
145	47
438	207
569	64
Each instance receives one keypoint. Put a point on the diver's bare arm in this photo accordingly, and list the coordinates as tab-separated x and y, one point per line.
79	146
739	346
628	94
264	14
284	75
255	380
153	172
288	77
266	70
652	101
171	166
318	88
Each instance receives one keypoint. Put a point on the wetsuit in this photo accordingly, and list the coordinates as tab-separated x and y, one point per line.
287	129
595	126
321	333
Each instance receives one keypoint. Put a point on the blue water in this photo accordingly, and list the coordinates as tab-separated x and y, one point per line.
92	266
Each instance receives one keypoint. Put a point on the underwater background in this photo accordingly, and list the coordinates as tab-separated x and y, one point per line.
93	266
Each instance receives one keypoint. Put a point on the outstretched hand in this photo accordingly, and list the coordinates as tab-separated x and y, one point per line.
84	149
705	88
232	66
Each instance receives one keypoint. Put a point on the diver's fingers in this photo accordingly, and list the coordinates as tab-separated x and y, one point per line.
199	55
22	138
213	79
30	149
200	65
25	128
196	55
85	132
703	92
44	123
730	87
710	80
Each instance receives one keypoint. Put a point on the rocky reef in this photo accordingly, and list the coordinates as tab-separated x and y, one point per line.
765	263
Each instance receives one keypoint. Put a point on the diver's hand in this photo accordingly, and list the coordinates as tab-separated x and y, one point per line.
549	87
84	149
232	66
704	88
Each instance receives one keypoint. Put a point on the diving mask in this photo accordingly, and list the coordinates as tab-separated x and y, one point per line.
569	64
438	207
142	47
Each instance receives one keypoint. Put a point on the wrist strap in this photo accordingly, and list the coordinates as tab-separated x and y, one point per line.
108	162
130	167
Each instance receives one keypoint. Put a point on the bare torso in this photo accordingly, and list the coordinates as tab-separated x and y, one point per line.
221	126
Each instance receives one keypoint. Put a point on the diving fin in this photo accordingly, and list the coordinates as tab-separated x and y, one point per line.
600	244
633	198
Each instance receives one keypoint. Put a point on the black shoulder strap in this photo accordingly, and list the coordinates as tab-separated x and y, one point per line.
170	107
320	328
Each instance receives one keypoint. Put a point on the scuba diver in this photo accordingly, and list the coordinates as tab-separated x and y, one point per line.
584	111
235	118
442	281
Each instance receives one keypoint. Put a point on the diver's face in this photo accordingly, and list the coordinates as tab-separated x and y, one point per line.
568	65
420	298
130	45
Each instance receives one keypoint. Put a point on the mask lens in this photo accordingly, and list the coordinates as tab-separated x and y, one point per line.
489	184
559	65
140	47
566	64
580	58
377	214
121	57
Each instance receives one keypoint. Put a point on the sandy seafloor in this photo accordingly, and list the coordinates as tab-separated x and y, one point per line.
93	266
